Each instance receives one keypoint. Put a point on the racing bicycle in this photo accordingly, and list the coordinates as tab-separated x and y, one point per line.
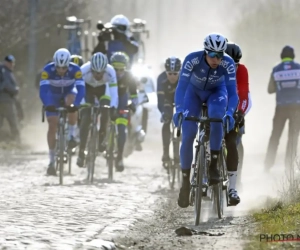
173	165
93	137
61	145
112	140
199	185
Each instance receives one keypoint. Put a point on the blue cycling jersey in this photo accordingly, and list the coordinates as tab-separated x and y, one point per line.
52	84
197	72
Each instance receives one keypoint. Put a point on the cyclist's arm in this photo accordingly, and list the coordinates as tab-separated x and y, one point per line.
184	80
44	87
243	89
80	86
160	95
231	86
272	85
113	89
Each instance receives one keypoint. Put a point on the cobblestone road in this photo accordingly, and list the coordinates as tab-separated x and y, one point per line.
37	213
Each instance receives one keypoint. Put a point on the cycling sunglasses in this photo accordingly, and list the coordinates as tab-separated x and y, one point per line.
63	68
98	73
119	70
172	73
213	54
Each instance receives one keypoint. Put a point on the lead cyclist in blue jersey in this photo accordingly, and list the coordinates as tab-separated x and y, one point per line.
207	76
61	80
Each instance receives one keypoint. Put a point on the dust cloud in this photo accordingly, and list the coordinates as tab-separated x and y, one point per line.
177	27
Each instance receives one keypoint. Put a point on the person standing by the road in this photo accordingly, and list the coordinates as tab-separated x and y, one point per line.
285	82
8	92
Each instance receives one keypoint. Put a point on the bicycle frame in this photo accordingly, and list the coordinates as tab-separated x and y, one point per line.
93	138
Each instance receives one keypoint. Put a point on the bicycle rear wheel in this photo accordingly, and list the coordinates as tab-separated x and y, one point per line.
198	198
61	155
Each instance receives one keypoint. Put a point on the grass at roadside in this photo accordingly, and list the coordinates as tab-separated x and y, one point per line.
278	219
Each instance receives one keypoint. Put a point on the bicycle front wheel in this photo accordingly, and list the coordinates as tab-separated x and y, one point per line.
219	188
110	152
199	191
92	150
61	155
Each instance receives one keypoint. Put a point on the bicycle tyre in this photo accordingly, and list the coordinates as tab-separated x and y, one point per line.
218	188
93	145
198	198
70	161
171	174
110	158
61	155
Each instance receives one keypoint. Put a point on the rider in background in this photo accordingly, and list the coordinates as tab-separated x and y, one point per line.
61	81
126	83
118	40
101	82
233	138
285	83
77	60
208	76
165	102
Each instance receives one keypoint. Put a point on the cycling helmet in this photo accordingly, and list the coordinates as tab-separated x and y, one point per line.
99	62
120	22
62	58
215	42
234	51
119	60
173	64
77	60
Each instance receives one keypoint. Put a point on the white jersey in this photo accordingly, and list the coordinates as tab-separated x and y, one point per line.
109	79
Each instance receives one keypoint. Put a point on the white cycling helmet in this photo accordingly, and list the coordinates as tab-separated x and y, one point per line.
215	42
99	62
121	22
62	58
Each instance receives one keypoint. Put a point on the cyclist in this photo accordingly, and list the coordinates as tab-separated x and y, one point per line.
165	102
126	83
61	80
77	60
233	138
101	82
120	39
207	76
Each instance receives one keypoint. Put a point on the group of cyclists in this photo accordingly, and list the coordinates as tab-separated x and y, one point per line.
74	82
213	76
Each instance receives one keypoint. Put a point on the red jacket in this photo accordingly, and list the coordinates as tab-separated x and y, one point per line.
243	88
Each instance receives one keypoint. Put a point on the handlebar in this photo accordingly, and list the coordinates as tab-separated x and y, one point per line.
195	119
